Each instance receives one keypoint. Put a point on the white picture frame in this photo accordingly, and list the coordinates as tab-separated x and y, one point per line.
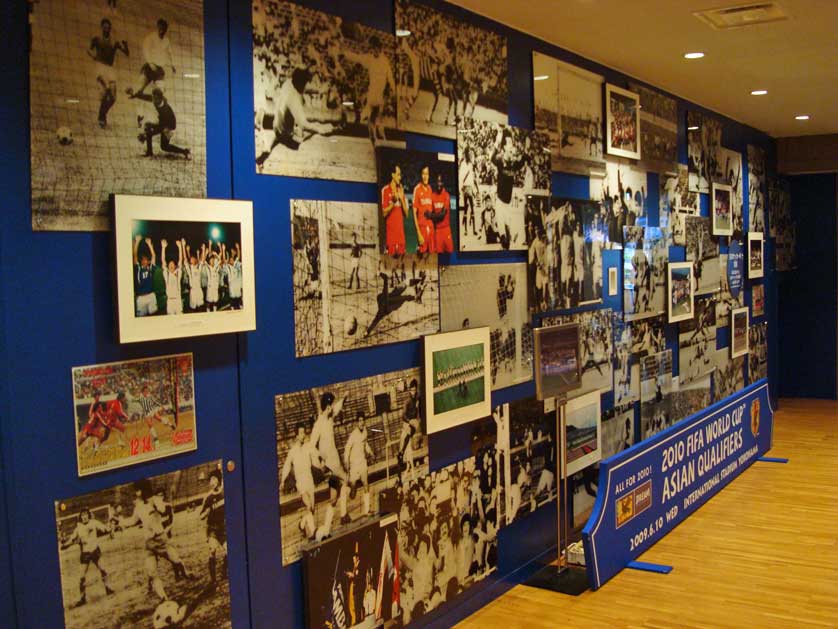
613	284
141	215
756	252
739	332
721	195
586	410
677	274
456	378
622	122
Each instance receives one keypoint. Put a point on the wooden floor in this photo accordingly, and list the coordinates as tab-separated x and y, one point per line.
762	553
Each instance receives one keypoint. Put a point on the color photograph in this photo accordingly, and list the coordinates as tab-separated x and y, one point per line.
595	348
584	432
757	301
184	267
133	411
755	255
152	553
738	332
117	105
680	301
622	122
557	361
721	202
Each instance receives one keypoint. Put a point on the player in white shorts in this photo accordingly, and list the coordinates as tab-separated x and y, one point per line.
380	74
234	276
301	458
323	439
196	267
355	454
144	266
86	535
213	277
173	274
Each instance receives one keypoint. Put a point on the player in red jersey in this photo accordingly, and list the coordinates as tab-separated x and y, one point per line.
423	207
113	416
95	426
443	242
394	209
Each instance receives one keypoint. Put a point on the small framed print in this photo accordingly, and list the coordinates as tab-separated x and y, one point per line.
755	255
721	205
457	384
681	292
613	288
622	122
558	367
738	332
583	422
757	301
184	267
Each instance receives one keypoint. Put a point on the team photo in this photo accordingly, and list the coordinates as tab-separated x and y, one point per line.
622	122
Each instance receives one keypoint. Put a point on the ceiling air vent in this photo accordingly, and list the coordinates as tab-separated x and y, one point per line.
742	15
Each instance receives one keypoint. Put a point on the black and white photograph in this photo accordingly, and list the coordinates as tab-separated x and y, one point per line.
449	71
780	221
617	429
721	208
499	167
756	188
117	105
531	477
730	166
184	267
725	300
680	294
658	129
623	193
347	294
558	365
596	338
338	447
738	332
152	553
622	122
417	201
448	532
568	108
133	411
655	390
324	93
645	257
676	202
729	376
493	295
697	342
703	251
704	139
584	432
688	399
626	366
757	301
758	354
352	580
756	264
566	239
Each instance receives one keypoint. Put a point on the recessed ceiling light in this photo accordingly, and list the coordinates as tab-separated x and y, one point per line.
693	55
802	117
759	92
692	128
541	77
402	32
348	103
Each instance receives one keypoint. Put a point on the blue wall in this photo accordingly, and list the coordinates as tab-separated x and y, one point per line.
59	296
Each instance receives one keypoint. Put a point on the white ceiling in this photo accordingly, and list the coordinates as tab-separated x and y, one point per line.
796	60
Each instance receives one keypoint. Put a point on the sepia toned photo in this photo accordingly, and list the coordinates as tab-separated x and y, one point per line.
704	139
617	430
623	192
658	129
738	332
757	189
676	202
703	251
758	354
697	342
655	391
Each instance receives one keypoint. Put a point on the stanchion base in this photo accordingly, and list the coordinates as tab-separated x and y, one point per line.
571	581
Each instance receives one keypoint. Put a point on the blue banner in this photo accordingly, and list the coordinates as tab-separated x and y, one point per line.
647	490
735	267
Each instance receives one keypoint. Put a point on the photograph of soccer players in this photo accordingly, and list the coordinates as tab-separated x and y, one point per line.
676	202
655	390
133	411
758	354
347	294
499	166
584	432
174	265
353	580
688	399
622	128
645	258
417	201
703	252
339	446
492	295
566	238
730	164
729	376
757	301
529	459
680	293
152	553
557	361
117	101
449	71
755	258
617	429
738	332
756	188
721	201
324	93
456	377
623	192
658	129
595	347
704	139
568	108
697	341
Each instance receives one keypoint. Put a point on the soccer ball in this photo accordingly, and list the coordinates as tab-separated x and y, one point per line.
64	135
168	614
350	326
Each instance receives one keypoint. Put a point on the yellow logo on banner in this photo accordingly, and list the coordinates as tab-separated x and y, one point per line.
625	509
755	417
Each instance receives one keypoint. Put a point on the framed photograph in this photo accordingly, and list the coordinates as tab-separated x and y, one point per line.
133	411
613	286
622	122
583	425
596	339
457	381
184	267
738	332
756	261
558	366
681	291
704	139
721	205
645	255
757	300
